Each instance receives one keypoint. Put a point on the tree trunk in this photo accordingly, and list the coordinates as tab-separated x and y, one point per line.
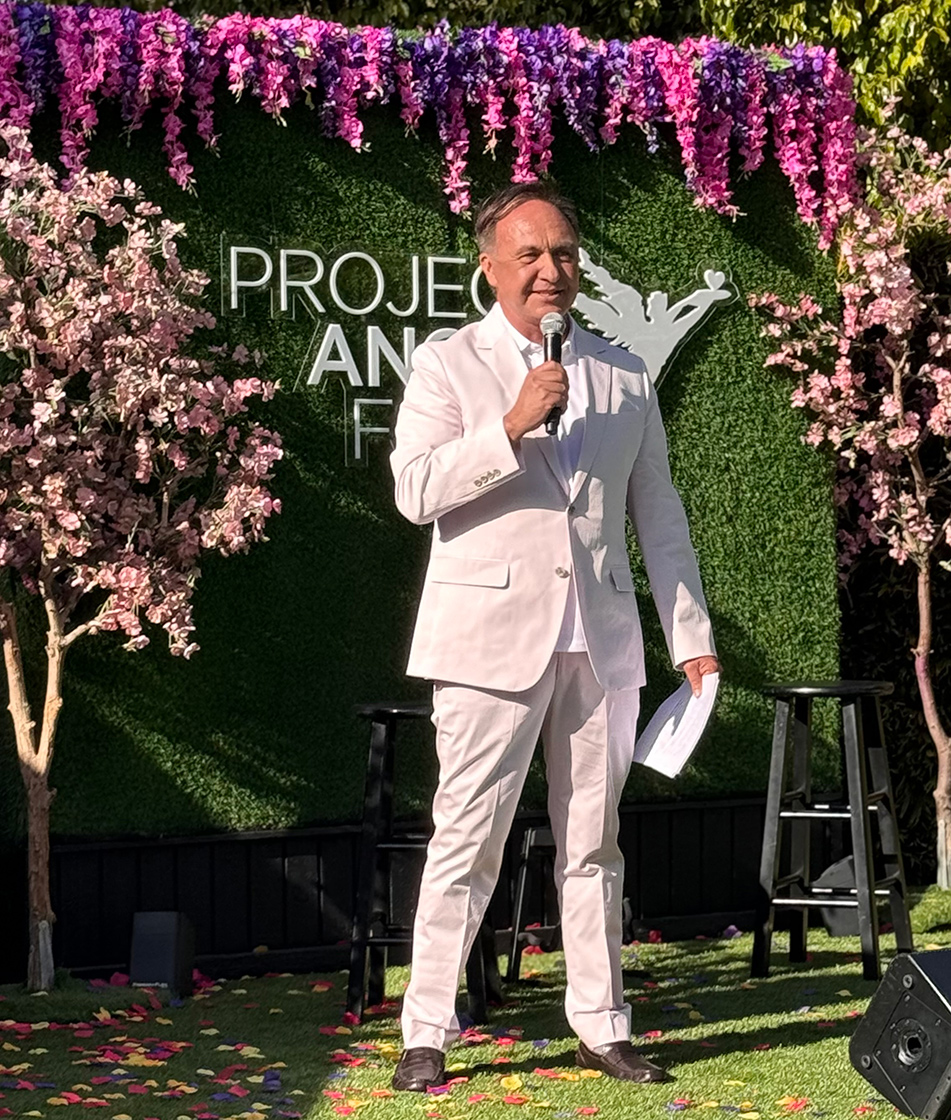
35	754
939	736
40	969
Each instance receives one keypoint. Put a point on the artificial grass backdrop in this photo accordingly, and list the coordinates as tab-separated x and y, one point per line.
257	730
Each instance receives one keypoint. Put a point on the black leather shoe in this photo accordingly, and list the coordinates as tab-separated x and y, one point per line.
419	1068
620	1060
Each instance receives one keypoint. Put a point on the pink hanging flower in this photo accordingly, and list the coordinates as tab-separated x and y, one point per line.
679	75
408	86
484	70
753	142
617	86
795	113
349	125
455	135
88	44
271	42
162	37
837	150
713	93
330	65
15	105
307	33
721	109
233	33
529	80
376	77
208	63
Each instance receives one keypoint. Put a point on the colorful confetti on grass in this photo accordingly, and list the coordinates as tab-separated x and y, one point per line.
279	1046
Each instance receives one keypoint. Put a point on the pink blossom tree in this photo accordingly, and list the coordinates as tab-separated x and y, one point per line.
876	383
124	455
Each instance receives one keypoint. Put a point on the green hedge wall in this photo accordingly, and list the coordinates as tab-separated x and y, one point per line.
257	730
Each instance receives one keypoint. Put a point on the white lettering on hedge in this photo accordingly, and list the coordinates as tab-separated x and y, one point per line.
477	276
356	285
378	276
334	338
306	286
360	430
446	290
414	281
378	345
260	282
432	288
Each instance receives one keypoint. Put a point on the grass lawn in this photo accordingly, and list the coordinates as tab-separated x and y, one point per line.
277	1047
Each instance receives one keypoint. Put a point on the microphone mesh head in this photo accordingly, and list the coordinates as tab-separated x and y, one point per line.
553	323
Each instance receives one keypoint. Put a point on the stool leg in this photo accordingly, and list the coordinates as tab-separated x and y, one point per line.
366	871
881	781
490	963
475	980
861	838
799	832
515	949
769	861
376	973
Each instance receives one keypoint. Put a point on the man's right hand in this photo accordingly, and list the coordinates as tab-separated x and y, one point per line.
545	388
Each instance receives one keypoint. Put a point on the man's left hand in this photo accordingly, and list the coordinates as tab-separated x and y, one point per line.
697	668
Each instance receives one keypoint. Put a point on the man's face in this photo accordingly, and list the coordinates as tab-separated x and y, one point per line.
532	264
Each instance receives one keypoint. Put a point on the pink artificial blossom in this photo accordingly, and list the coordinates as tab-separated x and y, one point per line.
874	381
109	430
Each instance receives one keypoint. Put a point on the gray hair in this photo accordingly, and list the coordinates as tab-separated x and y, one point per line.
509	198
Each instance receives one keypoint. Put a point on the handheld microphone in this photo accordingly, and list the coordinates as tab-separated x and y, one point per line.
553	329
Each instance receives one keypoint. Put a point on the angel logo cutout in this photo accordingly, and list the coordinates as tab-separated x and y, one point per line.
653	329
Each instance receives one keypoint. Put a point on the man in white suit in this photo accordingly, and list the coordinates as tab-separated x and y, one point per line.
527	623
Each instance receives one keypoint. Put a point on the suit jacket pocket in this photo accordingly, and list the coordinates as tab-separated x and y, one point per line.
472	571
622	579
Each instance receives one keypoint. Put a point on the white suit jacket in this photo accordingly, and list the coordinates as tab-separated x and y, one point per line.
508	536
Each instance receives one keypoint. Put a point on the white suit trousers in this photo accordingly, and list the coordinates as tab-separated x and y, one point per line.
484	741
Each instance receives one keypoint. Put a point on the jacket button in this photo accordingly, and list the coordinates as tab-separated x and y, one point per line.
571	509
562	573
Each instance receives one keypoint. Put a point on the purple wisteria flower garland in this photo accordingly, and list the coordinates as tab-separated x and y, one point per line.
723	101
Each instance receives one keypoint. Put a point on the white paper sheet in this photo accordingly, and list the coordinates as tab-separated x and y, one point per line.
669	739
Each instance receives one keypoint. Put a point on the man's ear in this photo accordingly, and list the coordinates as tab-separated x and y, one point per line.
485	263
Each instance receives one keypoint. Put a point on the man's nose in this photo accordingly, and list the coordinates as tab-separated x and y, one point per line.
549	267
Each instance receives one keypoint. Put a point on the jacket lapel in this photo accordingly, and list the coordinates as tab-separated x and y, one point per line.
508	365
600	375
499	350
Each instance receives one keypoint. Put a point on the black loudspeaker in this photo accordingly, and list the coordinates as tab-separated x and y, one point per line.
163	951
903	1044
840	921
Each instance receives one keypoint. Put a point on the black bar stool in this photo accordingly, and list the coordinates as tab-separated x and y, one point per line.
537	844
866	765
372	931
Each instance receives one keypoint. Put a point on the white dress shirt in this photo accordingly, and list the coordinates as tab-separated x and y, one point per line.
567	445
